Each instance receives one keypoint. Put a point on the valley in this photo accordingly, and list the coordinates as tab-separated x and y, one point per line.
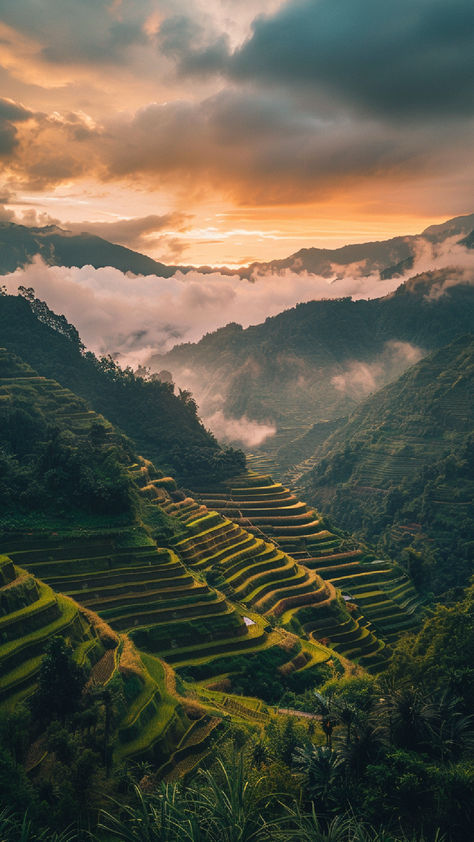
165	596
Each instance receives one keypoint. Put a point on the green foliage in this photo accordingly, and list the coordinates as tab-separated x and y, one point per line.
60	682
48	463
441	655
399	473
257	674
164	427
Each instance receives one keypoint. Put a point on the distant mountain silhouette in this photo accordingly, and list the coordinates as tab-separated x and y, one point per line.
59	247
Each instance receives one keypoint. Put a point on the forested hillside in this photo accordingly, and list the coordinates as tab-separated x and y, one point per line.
318	360
165	427
399	471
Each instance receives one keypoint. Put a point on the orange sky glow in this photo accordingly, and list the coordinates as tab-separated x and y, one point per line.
225	132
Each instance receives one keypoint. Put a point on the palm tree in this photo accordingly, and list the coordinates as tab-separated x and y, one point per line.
347	714
328	713
259	754
364	749
405	717
229	804
321	769
452	732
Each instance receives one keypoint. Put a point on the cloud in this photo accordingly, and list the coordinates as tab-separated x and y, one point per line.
68	31
11	114
255	146
134	317
135	232
241	431
441	288
267	147
391	58
358	379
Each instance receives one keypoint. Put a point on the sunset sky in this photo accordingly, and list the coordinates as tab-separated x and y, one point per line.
224	131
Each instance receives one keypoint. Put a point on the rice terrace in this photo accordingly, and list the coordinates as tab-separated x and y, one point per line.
236	438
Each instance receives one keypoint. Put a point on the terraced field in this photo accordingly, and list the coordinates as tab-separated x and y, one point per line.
252	567
152	722
135	587
30	615
386	602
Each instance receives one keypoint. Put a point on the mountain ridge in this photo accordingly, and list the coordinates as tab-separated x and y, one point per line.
58	246
316	361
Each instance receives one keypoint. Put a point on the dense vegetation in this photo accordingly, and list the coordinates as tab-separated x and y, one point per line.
164	427
391	760
48	465
399	472
101	740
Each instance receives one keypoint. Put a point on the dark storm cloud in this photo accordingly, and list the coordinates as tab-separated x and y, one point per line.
265	146
194	51
71	31
391	57
11	113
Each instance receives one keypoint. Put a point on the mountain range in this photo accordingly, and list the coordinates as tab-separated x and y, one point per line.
317	361
60	247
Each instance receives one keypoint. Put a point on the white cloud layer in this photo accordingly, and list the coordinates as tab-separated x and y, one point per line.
134	316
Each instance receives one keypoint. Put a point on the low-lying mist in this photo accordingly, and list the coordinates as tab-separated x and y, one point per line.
133	317
359	379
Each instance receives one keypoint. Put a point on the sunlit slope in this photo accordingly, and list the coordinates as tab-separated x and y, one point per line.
148	719
385	597
253	570
31	613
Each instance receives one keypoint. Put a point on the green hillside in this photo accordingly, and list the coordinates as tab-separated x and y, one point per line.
318	360
33	622
400	470
164	427
103	527
381	598
31	614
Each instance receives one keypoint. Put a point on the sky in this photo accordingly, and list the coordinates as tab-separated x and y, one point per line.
224	131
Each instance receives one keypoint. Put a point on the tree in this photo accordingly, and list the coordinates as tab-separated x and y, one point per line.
60	682
321	769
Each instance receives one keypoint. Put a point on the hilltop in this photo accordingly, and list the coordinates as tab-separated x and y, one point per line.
59	247
389	258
